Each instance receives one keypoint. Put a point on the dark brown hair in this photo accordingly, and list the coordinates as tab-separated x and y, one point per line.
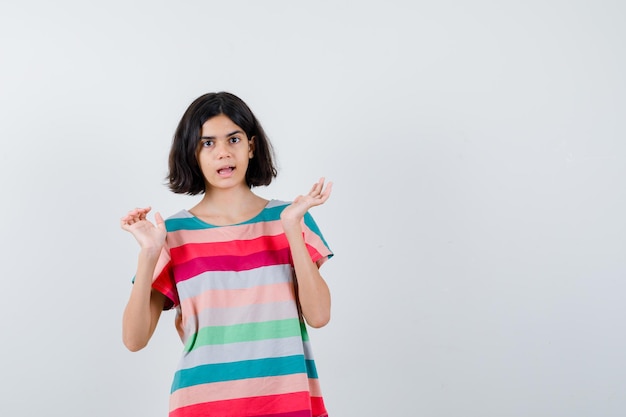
185	176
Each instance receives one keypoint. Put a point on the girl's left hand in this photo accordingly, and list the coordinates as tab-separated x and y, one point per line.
317	196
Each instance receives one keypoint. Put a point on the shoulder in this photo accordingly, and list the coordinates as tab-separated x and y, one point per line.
277	203
277	206
182	214
182	219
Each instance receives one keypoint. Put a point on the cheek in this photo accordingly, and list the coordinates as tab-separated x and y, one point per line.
202	161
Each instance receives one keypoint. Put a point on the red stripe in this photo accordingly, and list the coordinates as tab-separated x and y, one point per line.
314	253
165	285
301	413
318	407
185	253
197	266
292	405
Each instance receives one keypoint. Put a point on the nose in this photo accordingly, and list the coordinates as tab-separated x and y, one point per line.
222	150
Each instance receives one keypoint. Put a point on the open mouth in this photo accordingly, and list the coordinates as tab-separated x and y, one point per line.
225	170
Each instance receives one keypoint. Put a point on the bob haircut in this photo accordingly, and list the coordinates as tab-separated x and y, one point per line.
185	175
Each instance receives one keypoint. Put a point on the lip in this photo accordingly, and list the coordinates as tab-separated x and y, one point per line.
225	171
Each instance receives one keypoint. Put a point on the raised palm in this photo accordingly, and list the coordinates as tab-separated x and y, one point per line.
302	203
147	234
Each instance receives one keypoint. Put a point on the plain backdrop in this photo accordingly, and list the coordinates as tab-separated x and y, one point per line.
478	215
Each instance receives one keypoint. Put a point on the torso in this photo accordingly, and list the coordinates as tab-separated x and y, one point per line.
246	348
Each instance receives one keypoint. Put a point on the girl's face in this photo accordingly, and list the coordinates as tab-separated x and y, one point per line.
224	152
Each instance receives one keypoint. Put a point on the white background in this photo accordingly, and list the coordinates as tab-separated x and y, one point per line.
478	216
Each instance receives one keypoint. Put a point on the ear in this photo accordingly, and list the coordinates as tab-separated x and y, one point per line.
251	145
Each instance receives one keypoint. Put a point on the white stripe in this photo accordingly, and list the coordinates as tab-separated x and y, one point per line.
242	314
232	280
235	352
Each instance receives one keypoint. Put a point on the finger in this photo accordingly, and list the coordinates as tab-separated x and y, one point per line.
129	217
323	196
138	210
159	220
321	183
126	219
137	213
317	187
327	191
324	190
126	223
143	212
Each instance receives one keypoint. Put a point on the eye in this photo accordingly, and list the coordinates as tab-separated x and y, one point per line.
206	143
235	139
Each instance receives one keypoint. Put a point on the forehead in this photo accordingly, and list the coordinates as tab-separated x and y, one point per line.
219	125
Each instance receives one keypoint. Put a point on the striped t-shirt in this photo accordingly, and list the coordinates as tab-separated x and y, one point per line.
246	349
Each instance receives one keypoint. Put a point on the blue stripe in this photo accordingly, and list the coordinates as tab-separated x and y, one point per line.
311	370
193	223
188	223
257	368
310	223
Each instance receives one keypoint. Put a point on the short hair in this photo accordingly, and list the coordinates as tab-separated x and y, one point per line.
185	175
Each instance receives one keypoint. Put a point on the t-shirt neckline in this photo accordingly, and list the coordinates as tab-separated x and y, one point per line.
199	220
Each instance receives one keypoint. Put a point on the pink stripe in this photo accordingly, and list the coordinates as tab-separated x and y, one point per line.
314	241
164	259
224	234
295	404
234	298
228	390
314	387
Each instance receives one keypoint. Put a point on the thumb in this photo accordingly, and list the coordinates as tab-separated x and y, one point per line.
159	220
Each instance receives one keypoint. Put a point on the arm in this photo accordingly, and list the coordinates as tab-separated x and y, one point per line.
313	291
144	306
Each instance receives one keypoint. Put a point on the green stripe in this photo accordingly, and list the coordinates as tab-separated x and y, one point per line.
246	332
303	332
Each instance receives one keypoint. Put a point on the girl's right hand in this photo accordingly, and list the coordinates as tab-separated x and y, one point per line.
148	235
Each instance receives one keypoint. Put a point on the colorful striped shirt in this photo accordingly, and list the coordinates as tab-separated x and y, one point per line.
246	348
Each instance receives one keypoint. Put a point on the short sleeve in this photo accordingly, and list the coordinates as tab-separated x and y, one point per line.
163	279
316	244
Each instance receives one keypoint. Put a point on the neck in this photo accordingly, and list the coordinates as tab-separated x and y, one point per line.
228	205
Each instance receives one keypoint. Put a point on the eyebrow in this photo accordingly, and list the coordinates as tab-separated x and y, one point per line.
228	135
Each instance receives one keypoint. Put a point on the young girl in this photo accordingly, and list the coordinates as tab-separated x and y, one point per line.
242	272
